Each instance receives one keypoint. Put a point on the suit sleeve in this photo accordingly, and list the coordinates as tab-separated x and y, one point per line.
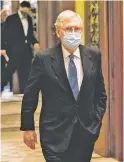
5	34
2	38
100	92
31	95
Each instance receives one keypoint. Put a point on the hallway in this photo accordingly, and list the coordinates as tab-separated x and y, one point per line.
12	147
100	19
13	150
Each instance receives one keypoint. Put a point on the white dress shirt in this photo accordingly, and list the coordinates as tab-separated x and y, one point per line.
24	23
77	61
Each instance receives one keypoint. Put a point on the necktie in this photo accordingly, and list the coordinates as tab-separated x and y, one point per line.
72	76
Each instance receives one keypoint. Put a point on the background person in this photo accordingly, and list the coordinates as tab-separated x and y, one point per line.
3	54
18	39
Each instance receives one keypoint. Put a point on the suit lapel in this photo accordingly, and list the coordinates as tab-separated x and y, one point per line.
87	65
20	25
29	25
59	68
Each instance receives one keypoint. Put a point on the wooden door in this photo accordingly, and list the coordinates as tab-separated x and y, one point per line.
111	44
103	28
115	44
102	144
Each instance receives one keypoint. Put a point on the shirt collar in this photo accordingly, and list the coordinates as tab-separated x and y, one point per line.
20	15
66	53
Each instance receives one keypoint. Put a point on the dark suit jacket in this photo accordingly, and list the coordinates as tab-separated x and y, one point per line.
60	110
3	61
2	28
14	38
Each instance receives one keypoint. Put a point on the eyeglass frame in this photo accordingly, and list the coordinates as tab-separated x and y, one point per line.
72	29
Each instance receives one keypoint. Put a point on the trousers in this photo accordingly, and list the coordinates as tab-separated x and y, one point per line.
79	150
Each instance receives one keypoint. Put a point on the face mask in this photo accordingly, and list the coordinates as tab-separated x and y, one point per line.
72	40
24	14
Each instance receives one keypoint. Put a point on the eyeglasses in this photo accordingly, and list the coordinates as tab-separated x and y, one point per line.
72	29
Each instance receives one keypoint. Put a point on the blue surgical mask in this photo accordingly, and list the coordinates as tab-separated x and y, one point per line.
24	14
71	40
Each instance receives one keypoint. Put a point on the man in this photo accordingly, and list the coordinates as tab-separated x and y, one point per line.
73	96
3	54
18	39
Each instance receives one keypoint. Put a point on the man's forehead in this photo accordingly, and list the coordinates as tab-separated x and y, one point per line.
72	22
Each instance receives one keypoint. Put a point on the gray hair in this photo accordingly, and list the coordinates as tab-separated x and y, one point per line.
66	14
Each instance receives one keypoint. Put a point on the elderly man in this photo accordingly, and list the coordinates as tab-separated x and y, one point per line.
73	95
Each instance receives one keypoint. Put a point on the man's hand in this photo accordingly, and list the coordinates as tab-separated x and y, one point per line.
36	48
30	138
2	52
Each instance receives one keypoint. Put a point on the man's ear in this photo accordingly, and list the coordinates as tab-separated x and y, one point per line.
57	33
